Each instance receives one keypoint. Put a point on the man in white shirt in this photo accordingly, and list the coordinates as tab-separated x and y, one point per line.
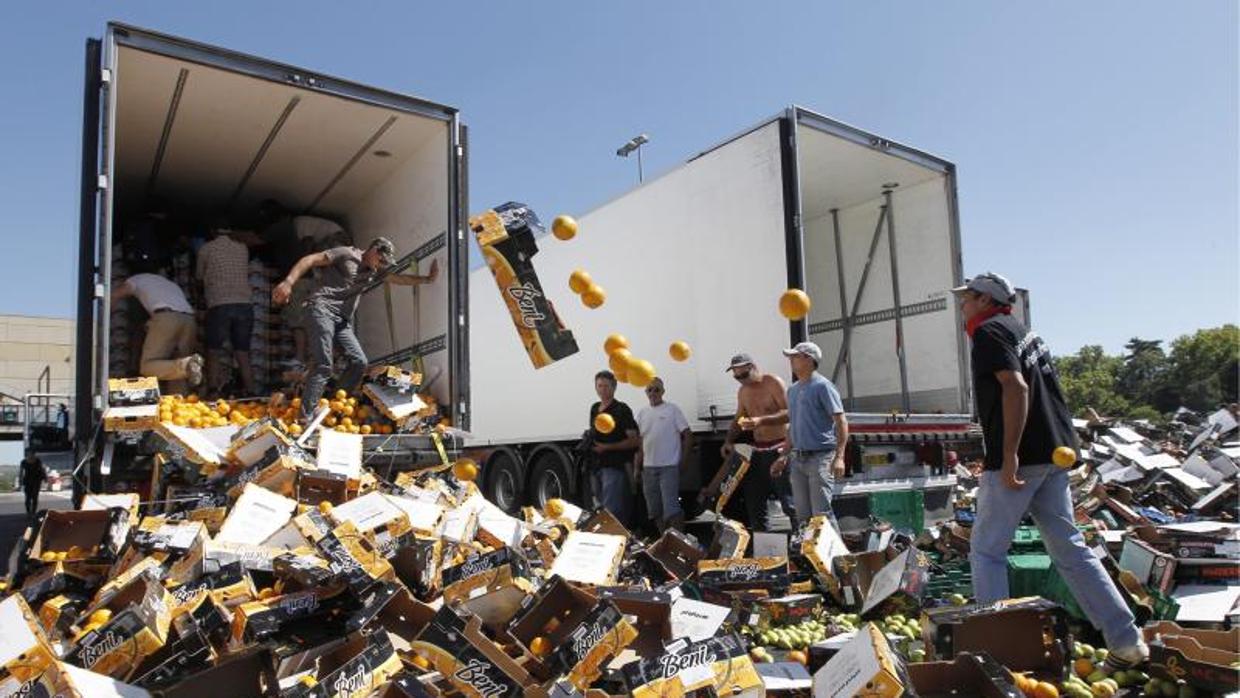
168	350
666	444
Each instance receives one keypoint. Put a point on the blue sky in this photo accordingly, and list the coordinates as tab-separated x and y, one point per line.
1096	142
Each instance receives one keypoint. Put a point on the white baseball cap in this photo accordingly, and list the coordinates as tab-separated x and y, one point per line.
806	349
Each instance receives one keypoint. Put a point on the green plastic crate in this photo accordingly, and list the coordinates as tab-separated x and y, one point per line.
1027	540
1028	575
903	510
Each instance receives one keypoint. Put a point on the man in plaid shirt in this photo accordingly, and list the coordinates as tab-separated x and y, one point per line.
224	269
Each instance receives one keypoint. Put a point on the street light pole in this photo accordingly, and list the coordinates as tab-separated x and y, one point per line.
635	144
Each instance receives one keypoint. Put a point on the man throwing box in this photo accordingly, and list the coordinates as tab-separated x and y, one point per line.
1024	419
344	272
817	436
666	443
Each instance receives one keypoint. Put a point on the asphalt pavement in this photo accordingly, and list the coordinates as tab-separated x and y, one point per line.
13	517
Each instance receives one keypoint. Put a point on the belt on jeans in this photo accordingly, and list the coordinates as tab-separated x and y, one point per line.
157	311
809	451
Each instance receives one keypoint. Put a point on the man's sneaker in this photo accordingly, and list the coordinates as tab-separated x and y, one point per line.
193	369
1125	658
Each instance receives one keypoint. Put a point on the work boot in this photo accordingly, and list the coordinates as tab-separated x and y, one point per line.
193	370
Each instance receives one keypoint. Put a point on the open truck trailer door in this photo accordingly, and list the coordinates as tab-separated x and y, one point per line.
209	130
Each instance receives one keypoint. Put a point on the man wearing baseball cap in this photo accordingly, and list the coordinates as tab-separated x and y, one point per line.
817	435
344	272
1024	419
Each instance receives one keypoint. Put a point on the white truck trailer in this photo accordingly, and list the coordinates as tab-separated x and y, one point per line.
866	226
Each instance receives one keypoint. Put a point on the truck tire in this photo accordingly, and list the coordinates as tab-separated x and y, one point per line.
503	480
551	475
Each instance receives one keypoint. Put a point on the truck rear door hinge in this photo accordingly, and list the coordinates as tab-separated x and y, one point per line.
105	76
102	182
460	320
98	290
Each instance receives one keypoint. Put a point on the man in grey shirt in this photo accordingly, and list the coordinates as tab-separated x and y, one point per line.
817	435
344	272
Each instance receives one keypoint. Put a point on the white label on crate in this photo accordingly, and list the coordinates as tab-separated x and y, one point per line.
697	620
589	558
367	512
258	514
340	453
700	673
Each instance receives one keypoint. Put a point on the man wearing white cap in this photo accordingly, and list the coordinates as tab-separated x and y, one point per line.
1024	420
817	435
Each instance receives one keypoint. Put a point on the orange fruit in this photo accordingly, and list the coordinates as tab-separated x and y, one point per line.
347	410
465	469
1064	457
564	227
325	507
346	422
365	428
579	280
295	402
614	342
1045	689
798	656
421	662
341	395
679	351
604	423
554	508
324	402
329	421
618	361
540	646
641	372
794	304
223	407
1083	667
594	296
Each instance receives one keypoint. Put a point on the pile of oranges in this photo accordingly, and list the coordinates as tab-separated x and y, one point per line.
347	414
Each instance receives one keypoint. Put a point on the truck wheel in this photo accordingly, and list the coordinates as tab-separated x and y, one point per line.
503	480
550	475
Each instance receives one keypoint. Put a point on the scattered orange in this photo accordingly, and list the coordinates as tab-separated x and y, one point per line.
618	361
594	296
564	227
798	656
604	423
615	342
1083	667
641	372
465	469
365	429
554	507
1064	457
679	351
540	646
579	280
421	662
794	304
341	395
1045	690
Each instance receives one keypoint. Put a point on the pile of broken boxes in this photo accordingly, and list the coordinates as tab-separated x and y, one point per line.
304	574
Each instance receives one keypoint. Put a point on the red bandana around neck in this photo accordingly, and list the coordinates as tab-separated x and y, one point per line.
977	320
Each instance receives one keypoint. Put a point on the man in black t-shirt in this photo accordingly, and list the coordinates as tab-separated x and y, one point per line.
613	451
1024	419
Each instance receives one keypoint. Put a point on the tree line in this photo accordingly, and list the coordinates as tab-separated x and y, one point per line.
1200	372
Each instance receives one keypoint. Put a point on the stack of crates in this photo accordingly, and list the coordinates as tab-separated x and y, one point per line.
1031	573
949	577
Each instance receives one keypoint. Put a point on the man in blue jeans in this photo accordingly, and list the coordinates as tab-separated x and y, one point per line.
817	436
614	450
344	274
1024	419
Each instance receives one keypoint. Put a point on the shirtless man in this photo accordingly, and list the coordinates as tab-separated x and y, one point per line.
761	408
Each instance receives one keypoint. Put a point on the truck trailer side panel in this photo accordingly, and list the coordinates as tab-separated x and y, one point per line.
696	255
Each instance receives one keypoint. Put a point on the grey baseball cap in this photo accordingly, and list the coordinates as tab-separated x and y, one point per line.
990	284
387	251
741	359
807	349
